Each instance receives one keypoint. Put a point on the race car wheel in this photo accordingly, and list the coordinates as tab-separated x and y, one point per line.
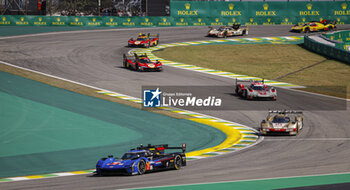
245	94
99	172
307	30
177	162
236	90
297	131
137	68
141	167
330	28
126	64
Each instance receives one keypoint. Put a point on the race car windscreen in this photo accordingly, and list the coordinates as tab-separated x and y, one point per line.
131	156
145	61
141	39
258	88
280	120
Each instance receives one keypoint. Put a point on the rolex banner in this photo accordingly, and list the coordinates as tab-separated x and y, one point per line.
260	13
204	13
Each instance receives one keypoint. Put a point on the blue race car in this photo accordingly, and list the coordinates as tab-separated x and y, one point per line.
143	159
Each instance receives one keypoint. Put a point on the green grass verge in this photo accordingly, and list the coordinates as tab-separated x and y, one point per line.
285	63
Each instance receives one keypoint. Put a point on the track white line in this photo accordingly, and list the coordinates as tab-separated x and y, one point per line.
38	72
310	139
259	179
312	93
85	31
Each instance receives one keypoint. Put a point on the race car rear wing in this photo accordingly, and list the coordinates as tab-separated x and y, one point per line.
160	147
128	56
234	26
284	112
135	56
250	81
153	35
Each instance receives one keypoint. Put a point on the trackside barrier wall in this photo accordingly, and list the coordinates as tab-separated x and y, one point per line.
343	36
204	13
339	36
327	50
262	13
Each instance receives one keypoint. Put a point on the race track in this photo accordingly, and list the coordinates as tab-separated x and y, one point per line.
95	58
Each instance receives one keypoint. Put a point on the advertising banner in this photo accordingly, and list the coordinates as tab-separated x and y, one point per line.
205	13
265	13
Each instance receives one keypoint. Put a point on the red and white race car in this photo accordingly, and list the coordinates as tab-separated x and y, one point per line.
255	89
144	40
141	63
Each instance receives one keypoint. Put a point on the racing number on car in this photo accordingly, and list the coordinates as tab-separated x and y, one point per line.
148	166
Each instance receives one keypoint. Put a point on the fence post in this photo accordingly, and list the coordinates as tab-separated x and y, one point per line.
99	8
50	7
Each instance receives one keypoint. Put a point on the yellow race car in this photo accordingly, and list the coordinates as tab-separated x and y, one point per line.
324	25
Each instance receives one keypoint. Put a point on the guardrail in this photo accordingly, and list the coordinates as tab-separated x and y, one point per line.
343	38
339	36
327	50
263	13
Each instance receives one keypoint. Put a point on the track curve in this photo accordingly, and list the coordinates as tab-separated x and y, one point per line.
94	58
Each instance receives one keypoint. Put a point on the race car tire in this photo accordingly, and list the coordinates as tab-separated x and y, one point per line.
296	132
99	172
141	166
307	30
245	94
137	68
236	90
330	28
177	162
125	64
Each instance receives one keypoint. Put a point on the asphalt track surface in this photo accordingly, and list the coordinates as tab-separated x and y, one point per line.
95	58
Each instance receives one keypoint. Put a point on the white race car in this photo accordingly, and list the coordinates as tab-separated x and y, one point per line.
281	122
256	89
227	31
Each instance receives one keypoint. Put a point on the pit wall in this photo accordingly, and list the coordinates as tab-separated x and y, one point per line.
338	52
205	13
